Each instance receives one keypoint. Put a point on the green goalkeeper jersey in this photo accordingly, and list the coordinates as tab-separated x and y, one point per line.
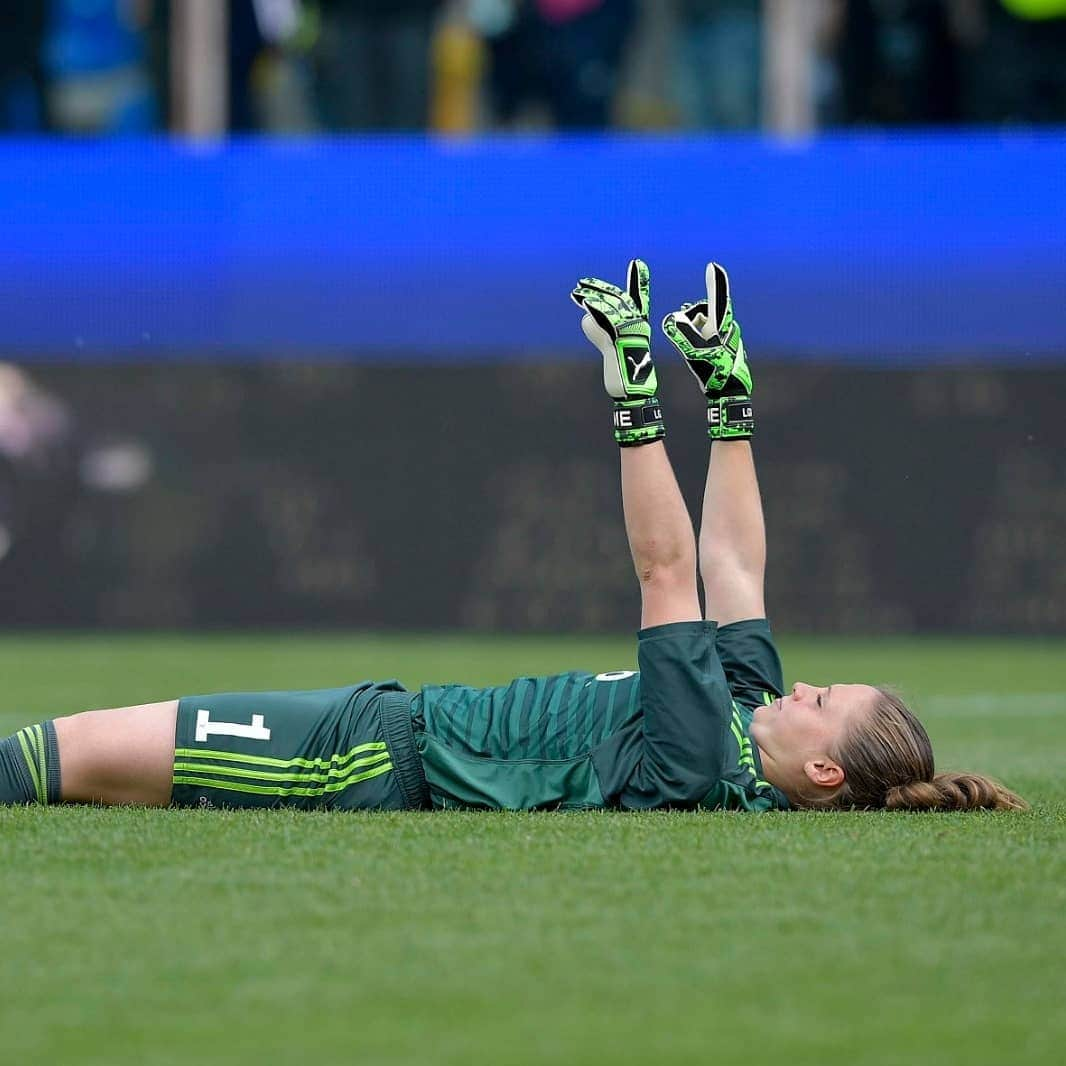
675	733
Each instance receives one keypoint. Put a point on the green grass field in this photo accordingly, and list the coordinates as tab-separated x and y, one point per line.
133	936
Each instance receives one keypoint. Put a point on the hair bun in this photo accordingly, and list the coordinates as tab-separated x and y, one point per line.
952	792
966	792
914	796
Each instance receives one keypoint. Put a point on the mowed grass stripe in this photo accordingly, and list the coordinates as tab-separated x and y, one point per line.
998	703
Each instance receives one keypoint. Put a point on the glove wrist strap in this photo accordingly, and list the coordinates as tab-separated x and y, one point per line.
730	418
638	421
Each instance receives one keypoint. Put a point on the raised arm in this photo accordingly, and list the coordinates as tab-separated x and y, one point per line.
684	696
660	537
732	532
657	521
732	535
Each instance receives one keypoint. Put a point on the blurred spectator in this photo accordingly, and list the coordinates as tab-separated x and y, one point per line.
36	456
269	84
246	44
104	65
719	63
1014	59
46	458
247	47
372	63
458	66
21	34
95	57
270	41
562	54
899	62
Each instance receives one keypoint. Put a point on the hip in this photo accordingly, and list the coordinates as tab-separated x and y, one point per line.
342	748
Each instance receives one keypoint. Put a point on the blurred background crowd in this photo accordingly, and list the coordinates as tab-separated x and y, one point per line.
121	66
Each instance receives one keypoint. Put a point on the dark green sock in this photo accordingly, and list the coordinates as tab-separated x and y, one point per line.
29	766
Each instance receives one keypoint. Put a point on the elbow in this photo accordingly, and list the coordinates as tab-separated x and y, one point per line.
701	785
691	794
686	785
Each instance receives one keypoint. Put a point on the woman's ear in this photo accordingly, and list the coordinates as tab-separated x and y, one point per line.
824	773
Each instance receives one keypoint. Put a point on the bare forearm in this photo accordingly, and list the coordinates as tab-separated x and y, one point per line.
732	535
660	536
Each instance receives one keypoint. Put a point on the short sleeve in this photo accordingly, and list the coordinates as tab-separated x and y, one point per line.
750	661
686	710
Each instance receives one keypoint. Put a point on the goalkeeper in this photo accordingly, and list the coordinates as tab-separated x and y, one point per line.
706	722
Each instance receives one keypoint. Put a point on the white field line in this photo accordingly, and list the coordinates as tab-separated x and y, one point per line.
989	703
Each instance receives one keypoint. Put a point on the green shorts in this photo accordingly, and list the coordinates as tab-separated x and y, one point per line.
346	748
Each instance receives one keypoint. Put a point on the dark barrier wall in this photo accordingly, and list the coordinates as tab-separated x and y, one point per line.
858	247
488	497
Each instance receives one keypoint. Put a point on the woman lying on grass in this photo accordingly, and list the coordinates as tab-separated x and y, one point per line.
705	723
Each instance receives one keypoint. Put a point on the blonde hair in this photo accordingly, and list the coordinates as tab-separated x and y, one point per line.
888	763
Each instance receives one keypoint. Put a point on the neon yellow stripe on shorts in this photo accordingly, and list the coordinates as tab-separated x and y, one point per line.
42	760
263	760
31	762
281	790
291	775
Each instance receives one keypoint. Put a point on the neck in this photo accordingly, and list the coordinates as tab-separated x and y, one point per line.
779	777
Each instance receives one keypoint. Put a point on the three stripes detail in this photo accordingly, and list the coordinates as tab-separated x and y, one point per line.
263	776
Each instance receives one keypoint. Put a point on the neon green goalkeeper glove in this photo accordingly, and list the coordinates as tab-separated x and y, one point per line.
616	322
708	336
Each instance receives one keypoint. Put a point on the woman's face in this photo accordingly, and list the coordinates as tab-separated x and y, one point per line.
808	724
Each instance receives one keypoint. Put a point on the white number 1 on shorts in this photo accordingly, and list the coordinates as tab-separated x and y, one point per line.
206	728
